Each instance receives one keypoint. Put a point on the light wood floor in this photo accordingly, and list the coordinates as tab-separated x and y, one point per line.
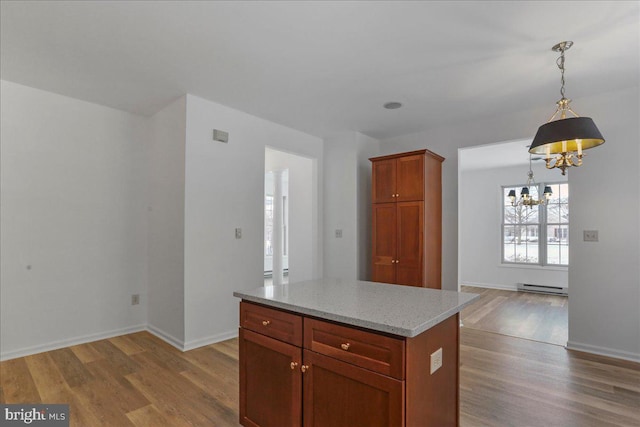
140	380
526	315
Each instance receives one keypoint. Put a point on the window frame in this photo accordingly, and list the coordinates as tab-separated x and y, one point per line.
542	226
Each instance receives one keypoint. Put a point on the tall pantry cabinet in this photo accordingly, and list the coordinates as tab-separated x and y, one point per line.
407	219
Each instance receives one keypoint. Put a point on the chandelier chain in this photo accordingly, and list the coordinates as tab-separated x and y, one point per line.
560	63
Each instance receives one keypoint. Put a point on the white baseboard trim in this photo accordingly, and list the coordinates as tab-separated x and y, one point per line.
603	351
212	339
168	338
513	287
55	345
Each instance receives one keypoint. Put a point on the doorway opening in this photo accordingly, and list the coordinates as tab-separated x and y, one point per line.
290	217
493	260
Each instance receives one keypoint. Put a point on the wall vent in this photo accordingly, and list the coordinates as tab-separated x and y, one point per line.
542	289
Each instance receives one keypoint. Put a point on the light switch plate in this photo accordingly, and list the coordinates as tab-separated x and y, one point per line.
590	235
220	135
436	360
338	233
238	233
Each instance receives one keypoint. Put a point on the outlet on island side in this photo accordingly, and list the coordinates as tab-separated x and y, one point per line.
135	299
436	360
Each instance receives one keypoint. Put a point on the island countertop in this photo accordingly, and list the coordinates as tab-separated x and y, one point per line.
399	310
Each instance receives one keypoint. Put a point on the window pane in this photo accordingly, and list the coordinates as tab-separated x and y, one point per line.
532	244
528	214
520	227
553	212
558	244
564	254
268	225
520	214
509	234
509	254
558	205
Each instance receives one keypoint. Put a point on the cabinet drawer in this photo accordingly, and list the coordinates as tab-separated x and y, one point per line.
369	350
274	323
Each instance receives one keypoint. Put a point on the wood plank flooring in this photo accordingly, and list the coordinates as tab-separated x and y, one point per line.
526	315
131	380
139	380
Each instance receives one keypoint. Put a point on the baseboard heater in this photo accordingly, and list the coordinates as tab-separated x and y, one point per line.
542	289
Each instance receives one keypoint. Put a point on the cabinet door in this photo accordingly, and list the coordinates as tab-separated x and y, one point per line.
271	396
383	182
409	247
410	178
338	394
384	243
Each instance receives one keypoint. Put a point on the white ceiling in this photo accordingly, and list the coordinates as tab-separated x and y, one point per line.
323	67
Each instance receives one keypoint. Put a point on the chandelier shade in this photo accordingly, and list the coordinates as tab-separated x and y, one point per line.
565	137
572	134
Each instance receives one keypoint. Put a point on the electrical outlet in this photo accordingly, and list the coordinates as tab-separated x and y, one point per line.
135	299
590	235
238	233
436	360
339	233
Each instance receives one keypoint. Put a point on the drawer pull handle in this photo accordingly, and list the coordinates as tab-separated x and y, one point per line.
345	346
304	368
293	365
266	322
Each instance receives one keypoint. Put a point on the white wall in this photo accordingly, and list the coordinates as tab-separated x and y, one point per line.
480	213
604	314
604	277
347	197
224	189
73	230
341	207
166	165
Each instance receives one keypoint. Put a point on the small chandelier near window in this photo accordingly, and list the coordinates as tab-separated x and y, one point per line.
525	196
566	137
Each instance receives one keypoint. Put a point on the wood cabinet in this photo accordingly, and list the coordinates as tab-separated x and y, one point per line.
407	219
271	395
338	394
342	376
269	349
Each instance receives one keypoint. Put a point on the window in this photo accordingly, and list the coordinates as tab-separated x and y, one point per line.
537	235
268	226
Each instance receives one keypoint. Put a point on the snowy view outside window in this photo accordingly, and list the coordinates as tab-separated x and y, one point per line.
539	234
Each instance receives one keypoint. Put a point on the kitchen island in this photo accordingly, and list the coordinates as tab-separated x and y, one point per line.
349	353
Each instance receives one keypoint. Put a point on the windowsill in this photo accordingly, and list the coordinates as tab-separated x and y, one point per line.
536	267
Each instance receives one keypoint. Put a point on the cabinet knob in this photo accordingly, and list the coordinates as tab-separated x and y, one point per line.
345	346
304	368
293	365
393	195
266	322
397	195
397	261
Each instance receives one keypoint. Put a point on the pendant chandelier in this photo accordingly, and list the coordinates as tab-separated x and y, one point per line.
565	137
525	196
